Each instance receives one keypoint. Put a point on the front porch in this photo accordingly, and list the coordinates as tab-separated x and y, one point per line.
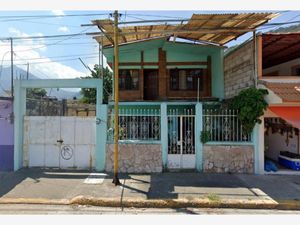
166	136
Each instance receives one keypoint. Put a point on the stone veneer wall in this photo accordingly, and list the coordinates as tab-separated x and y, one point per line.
135	158
228	159
238	70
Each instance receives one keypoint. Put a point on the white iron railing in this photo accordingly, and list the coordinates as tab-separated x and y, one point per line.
136	124
223	125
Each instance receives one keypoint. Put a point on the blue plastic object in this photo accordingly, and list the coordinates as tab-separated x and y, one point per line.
290	163
270	166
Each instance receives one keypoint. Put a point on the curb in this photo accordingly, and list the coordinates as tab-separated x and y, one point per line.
42	201
152	203
175	203
288	204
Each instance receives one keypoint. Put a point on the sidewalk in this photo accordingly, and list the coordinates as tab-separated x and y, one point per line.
152	190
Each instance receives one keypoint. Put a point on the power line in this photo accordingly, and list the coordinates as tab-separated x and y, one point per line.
69	37
25	17
56	61
46	36
54	57
51	24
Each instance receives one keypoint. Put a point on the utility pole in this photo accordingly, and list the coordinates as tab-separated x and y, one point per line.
27	76
12	67
116	180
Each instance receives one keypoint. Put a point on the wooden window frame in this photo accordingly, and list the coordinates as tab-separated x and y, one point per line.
122	76
189	72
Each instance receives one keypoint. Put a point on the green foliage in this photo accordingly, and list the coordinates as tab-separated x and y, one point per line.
205	136
36	93
251	105
89	94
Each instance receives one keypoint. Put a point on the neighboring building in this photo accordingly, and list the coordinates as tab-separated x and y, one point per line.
6	134
274	64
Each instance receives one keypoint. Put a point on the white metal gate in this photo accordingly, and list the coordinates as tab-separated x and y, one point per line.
59	142
181	140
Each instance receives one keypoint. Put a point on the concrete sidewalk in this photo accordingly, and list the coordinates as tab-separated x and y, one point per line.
151	190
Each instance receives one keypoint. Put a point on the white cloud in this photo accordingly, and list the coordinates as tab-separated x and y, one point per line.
28	49
63	29
58	12
38	43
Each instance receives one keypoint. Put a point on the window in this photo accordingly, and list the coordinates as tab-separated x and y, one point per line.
128	79
186	79
297	71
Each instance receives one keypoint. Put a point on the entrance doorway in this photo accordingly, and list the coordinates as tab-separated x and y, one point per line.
150	84
181	140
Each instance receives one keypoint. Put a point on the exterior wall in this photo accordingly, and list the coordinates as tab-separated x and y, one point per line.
6	136
163	55
238	70
283	69
228	159
135	158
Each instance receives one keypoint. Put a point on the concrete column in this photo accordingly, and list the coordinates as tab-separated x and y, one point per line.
259	147
101	137
198	143
164	133
19	112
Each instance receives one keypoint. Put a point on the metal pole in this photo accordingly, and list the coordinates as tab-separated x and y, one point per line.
27	76
12	67
116	85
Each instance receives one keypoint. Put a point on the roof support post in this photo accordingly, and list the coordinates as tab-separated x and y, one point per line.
254	59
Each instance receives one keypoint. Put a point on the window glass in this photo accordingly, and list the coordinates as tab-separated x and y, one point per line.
128	79
186	79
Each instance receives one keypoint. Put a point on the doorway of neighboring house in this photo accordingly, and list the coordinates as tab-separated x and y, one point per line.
282	154
150	84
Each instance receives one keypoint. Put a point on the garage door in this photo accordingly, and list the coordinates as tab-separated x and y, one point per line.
59	142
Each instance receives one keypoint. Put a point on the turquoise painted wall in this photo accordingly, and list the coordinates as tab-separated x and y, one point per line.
218	74
175	52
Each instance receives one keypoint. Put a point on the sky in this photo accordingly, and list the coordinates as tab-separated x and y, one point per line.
60	55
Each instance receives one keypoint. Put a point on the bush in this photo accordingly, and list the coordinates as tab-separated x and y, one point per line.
250	104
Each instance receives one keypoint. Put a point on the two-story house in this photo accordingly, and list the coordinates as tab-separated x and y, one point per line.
171	83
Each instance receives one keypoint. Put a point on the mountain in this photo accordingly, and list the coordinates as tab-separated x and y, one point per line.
19	73
293	28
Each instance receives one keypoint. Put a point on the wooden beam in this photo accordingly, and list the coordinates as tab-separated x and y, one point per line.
150	29
209	75
168	63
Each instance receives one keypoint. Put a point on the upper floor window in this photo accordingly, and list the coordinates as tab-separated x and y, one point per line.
128	79
186	79
297	71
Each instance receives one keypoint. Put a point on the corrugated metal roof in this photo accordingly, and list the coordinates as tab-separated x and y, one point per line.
214	28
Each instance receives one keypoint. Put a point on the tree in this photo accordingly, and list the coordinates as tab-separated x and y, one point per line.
89	94
36	93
